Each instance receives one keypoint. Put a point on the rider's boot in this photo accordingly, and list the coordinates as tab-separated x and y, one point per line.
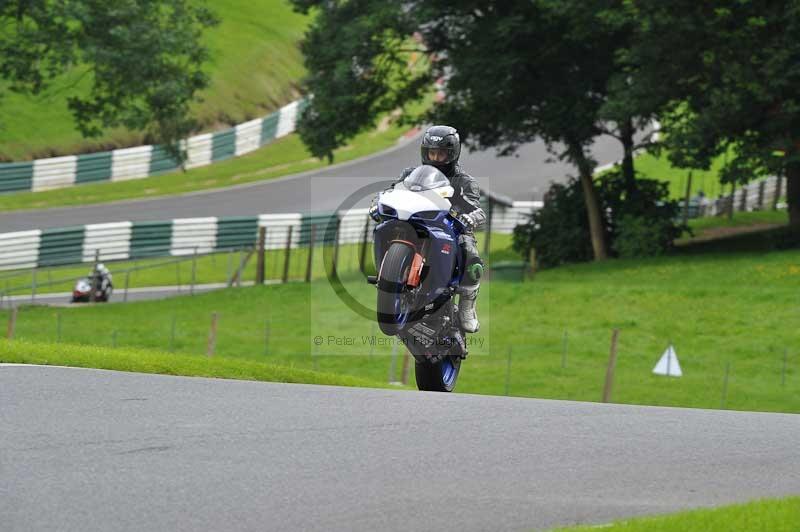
466	308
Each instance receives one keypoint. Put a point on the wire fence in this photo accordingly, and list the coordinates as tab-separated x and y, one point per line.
190	252
566	364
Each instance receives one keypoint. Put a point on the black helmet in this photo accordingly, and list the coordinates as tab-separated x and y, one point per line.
441	137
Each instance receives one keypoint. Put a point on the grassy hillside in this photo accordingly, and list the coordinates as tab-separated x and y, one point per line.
255	66
287	155
739	310
659	168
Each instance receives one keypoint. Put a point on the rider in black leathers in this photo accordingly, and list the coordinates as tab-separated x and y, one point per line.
441	147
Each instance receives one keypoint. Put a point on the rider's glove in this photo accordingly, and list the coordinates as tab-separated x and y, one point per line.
467	220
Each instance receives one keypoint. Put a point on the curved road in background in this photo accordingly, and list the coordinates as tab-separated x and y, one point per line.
525	176
90	450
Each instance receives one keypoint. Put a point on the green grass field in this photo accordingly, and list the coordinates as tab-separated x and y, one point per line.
660	169
148	361
255	67
717	309
760	516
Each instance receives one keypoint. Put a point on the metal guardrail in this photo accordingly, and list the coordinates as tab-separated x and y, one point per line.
25	250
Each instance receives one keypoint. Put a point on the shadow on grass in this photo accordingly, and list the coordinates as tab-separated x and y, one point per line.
773	239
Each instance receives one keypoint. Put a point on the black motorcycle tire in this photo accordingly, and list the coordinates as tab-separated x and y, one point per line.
392	278
430	375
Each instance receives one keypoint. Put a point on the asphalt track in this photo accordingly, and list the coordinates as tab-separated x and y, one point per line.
89	450
525	176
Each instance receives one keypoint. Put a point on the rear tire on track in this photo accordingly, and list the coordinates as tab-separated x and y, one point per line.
439	376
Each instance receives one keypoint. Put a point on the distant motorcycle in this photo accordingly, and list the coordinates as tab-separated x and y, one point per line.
82	291
420	268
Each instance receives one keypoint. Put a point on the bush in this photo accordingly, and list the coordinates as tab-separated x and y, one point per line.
642	222
559	231
638	236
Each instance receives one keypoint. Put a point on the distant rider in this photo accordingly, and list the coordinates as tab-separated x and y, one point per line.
441	148
101	278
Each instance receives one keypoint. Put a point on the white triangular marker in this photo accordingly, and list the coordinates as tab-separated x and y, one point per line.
668	365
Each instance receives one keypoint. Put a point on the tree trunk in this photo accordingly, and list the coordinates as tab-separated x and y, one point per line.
596	226
626	136
793	193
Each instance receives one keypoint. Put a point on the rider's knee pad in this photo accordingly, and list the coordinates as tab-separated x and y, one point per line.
474	271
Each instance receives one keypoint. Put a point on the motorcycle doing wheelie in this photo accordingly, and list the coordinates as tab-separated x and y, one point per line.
420	266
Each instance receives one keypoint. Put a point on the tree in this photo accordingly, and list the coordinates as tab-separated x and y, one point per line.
727	77
516	70
144	59
357	54
523	70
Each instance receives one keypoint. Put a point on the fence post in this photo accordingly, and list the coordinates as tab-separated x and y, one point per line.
93	295
33	286
194	271
266	336
487	240
725	386
406	357
240	269
12	323
262	243
336	246
172	335
212	336
127	280
310	264
731	203
363	252
777	196
783	372
288	254
372	341
508	371
761	185
612	363
393	361
743	199
686	199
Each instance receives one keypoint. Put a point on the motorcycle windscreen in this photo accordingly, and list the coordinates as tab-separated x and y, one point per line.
425	178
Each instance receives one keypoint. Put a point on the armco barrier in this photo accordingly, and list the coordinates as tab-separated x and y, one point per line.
136	240
143	161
